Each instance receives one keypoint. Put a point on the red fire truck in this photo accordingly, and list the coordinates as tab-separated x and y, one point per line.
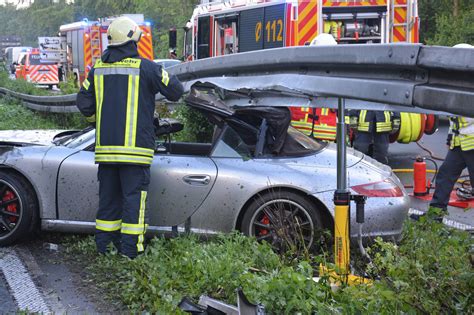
32	68
231	26
83	43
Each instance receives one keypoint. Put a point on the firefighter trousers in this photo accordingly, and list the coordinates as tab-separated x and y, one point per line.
121	215
379	140
456	161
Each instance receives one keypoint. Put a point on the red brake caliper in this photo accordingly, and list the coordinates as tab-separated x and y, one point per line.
9	195
264	220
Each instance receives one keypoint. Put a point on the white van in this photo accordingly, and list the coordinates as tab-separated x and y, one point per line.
12	55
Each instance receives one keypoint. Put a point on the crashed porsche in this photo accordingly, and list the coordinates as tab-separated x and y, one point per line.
258	175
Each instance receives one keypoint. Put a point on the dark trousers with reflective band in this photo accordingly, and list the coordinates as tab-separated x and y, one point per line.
449	172
121	216
380	141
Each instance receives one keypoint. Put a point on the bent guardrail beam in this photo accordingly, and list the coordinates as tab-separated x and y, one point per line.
53	103
399	77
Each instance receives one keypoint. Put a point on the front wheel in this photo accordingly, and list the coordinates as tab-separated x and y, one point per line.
18	208
286	220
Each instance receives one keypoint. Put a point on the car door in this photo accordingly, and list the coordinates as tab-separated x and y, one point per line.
78	187
179	184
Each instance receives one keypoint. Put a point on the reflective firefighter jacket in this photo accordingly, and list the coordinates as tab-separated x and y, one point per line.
462	130
367	118
119	95
319	123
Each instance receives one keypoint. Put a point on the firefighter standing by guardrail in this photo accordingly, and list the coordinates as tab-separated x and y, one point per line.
460	156
374	128
119	96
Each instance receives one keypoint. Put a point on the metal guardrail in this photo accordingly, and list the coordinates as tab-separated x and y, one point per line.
56	103
53	103
399	77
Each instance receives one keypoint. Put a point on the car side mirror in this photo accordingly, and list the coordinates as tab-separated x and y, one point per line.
165	126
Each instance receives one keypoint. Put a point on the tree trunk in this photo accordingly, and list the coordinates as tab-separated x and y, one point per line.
455	8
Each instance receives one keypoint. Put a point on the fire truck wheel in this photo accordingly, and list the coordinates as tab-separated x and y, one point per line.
18	208
284	219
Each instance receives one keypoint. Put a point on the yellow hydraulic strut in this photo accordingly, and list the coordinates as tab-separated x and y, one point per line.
342	198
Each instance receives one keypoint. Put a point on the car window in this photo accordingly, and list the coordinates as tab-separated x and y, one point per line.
35	59
297	143
23	60
231	145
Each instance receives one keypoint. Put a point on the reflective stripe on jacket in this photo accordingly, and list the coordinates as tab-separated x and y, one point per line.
120	96
383	122
459	126
320	123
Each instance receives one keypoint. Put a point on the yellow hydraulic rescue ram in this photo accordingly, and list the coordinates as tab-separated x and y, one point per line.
342	199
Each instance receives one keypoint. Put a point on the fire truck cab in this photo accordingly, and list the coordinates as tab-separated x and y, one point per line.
32	68
83	43
231	26
223	27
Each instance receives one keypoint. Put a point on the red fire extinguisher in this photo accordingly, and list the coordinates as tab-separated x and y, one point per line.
420	187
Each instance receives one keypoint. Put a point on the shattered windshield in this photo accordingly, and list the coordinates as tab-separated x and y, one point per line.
75	139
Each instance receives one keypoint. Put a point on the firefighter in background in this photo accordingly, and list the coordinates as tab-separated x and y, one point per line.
459	156
319	123
119	97
373	128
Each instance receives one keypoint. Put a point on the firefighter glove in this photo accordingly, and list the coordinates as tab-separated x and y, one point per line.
354	122
395	125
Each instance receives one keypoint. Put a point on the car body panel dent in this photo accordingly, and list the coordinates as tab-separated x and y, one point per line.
39	165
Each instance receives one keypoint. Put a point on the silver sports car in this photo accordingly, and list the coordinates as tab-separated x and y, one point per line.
273	183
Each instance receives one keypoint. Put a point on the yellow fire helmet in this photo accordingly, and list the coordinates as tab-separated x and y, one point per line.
122	30
323	39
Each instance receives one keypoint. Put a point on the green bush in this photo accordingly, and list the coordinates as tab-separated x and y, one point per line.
196	126
429	272
69	86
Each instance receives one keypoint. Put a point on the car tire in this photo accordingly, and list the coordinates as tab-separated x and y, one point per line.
268	218
18	208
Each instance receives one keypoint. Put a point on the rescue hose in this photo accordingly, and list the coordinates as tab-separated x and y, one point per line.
410	170
429	152
361	246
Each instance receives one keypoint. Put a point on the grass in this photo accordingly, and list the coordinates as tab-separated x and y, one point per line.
25	87
15	116
20	86
428	272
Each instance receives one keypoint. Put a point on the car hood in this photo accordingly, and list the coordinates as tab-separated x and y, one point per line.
28	137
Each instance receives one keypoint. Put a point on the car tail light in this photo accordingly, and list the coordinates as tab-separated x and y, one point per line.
385	188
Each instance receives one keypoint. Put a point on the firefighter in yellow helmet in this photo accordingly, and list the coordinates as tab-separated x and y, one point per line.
118	96
460	156
319	123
